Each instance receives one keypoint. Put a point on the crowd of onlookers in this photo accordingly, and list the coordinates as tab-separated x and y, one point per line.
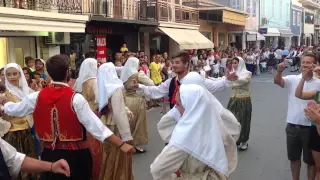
34	72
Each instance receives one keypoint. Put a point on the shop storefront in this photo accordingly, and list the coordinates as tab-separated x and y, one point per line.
16	45
19	37
272	36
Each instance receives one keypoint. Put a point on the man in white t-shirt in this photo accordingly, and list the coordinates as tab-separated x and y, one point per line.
298	125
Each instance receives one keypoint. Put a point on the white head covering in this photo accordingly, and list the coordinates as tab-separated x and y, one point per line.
200	119
228	123
108	83
241	69
88	70
131	67
23	89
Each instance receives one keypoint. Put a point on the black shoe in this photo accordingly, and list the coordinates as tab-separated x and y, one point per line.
140	150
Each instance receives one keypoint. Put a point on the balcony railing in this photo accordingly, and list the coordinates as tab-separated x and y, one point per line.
60	6
146	10
171	12
121	9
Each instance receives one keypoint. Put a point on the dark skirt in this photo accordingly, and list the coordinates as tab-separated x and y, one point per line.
22	140
80	163
242	110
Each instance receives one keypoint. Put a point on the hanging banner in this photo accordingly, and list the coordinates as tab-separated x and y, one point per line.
101	49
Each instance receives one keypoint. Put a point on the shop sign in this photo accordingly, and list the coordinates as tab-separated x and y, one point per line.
101	52
263	30
98	30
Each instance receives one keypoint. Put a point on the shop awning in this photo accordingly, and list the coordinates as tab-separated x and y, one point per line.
27	20
285	33
272	32
254	36
233	18
187	38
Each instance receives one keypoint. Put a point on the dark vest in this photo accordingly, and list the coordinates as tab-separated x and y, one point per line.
4	172
172	87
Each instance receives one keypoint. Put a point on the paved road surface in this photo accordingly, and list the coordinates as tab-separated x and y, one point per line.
266	157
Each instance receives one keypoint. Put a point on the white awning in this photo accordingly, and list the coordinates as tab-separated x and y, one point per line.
285	33
260	37
254	36
272	32
187	38
28	20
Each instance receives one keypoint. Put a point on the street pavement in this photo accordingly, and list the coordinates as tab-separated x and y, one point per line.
266	157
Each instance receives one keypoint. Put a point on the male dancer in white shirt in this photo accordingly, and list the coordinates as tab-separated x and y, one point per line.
170	87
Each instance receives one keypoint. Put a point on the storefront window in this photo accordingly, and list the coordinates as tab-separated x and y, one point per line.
3	52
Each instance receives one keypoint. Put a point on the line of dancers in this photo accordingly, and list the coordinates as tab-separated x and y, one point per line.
96	125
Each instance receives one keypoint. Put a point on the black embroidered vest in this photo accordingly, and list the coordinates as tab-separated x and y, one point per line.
4	171
172	87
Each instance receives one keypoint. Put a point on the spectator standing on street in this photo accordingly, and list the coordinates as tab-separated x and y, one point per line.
155	70
298	125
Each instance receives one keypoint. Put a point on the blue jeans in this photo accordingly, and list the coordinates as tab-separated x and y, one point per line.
36	140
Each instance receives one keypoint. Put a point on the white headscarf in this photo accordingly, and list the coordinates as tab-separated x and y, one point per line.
131	67
23	89
200	119
108	83
88	70
241	69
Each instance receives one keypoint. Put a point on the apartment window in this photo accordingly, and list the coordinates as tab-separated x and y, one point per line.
236	4
298	18
254	8
248	7
293	18
281	9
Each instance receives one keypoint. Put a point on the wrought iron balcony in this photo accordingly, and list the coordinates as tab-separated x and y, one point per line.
170	12
121	9
145	10
60	6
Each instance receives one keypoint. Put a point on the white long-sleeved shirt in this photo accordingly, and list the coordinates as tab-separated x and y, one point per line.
156	92
80	105
12	158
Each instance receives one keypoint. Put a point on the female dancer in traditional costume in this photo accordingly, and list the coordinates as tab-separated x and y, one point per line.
240	102
19	135
86	84
135	102
116	164
198	158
